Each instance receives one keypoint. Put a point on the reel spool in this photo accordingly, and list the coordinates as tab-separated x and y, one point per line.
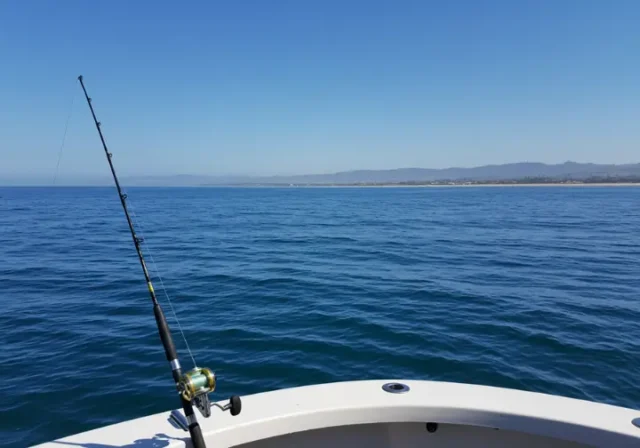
196	382
195	386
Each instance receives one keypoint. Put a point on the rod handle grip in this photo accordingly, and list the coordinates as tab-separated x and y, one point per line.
196	436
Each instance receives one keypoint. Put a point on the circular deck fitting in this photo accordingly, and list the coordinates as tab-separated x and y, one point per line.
636	422
395	388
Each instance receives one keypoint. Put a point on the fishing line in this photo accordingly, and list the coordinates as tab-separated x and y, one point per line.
64	136
157	271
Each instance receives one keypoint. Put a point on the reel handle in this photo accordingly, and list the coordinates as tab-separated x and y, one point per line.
234	406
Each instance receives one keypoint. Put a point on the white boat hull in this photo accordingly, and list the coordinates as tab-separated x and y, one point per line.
361	413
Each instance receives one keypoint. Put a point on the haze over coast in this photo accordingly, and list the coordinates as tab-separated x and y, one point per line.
512	173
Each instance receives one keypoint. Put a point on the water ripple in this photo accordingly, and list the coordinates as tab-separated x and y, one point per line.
534	289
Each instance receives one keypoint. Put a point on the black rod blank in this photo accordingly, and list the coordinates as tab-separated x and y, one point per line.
163	327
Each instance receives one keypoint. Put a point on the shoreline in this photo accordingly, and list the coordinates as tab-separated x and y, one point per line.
621	184
631	184
598	184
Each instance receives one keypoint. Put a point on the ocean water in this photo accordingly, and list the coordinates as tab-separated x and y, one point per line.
528	288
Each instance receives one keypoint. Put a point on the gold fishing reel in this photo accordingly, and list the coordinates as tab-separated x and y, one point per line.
195	386
197	382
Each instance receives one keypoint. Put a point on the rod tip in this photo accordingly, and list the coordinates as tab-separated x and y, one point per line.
80	78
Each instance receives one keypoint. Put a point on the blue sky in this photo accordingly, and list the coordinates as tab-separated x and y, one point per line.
271	87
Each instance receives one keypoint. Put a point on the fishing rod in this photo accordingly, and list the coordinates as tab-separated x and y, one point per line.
193	386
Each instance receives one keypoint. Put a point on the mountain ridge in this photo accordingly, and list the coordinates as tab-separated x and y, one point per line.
493	172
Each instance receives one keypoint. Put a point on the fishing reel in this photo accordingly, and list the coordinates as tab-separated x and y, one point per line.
195	386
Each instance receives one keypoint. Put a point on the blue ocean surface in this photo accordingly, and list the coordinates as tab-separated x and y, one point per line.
527	288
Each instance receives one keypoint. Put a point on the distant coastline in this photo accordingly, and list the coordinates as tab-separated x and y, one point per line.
357	185
633	181
494	185
525	173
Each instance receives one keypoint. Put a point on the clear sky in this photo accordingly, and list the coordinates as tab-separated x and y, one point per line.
272	87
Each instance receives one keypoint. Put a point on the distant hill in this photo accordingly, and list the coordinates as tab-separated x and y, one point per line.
510	171
571	170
